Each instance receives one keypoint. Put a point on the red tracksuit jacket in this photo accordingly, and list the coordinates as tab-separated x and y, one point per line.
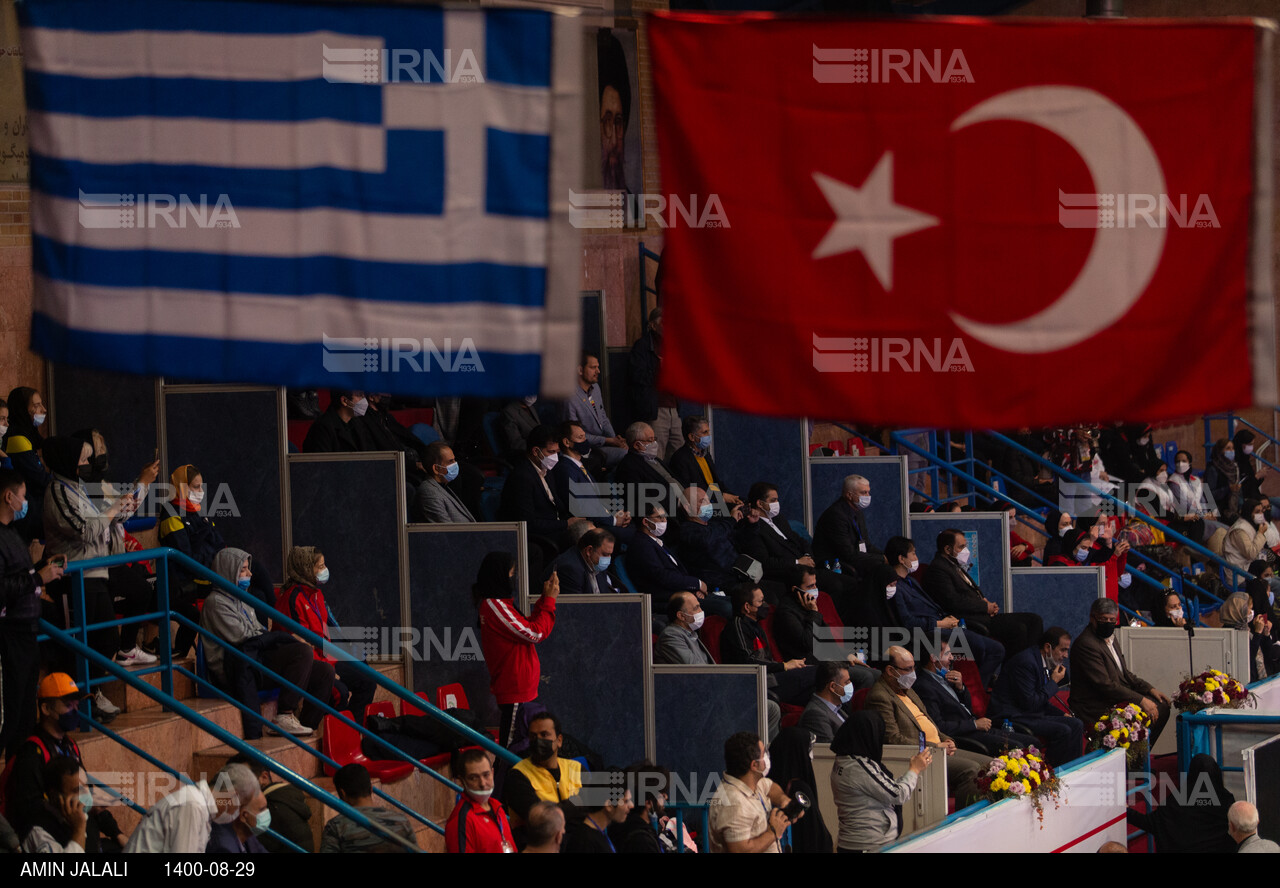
508	640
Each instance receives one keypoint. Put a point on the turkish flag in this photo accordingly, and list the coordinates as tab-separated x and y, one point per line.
965	223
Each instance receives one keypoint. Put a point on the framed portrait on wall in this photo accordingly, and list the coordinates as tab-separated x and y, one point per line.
613	158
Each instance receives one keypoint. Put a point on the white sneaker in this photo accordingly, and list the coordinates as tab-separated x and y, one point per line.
104	706
135	657
289	724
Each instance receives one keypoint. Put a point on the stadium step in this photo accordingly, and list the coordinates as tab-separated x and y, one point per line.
130	699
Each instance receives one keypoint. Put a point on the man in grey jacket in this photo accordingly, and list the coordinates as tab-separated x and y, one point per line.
234	621
679	641
435	503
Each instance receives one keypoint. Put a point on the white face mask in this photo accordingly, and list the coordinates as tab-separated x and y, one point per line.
1183	467
889	592
360	407
698	619
774	509
915	564
847	693
1248	449
4	430
530	400
1175	614
1144	441
39	419
963	556
659	528
480	795
196	497
864	501
549	461
1259	518
651	450
767	762
1162	477
1062	531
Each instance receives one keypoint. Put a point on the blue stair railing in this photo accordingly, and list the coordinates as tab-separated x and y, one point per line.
1233	421
646	256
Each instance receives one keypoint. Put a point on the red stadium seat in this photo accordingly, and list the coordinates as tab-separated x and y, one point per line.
836	447
385	708
342	744
973	683
452	696
791	715
712	626
859	699
854	445
410	709
767	625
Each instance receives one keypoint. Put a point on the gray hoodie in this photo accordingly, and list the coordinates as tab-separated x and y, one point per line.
225	615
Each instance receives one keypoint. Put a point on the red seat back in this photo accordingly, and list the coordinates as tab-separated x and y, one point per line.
767	625
410	709
973	683
340	742
452	696
712	626
385	708
859	699
830	616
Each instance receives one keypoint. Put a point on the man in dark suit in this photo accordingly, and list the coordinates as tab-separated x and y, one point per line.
527	496
692	464
841	532
654	569
334	431
949	705
584	569
434	502
824	713
1025	688
779	549
576	491
950	586
645	478
1100	679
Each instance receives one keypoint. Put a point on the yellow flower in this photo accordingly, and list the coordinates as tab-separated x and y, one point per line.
1210	685
1034	776
1003	774
1032	758
1115	734
997	785
1026	785
1015	767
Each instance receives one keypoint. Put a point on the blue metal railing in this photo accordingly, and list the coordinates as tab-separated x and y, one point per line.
1215	721
209	727
1232	420
645	289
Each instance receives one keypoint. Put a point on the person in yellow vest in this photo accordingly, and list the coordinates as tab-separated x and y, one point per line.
543	776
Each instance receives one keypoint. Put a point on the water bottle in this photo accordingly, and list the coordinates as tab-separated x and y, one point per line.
717	591
827	565
837	567
862	654
1007	727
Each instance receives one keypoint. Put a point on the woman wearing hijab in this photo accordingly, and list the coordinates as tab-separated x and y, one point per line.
791	760
1247	537
1056	525
76	528
509	639
868	798
24	443
1262	590
301	599
1094	546
1168	611
1252	472
1194	820
1222	478
1193	516
1264	653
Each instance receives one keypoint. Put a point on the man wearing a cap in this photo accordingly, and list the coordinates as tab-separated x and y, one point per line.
21	588
58	696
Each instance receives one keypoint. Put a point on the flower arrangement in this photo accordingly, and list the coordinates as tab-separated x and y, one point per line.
1211	688
1126	727
1020	774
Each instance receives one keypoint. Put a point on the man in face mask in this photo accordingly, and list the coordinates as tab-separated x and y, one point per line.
62	823
841	532
478	824
242	813
434	502
825	712
1025	690
527	495
948	704
747	815
654	568
334	432
644	476
1100	678
543	775
585	568
679	642
906	722
744	641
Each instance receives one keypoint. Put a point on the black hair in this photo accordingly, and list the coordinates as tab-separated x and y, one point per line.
1053	635
826	673
435	450
759	491
58	768
948	538
690	424
565	430
611	70
353	781
800	572
647	781
336	396
467	756
494	577
897	547
595	538
540	437
675	605
546	715
10	479
741	593
587	355
740	751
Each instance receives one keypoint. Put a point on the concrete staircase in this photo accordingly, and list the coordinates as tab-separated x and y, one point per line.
188	749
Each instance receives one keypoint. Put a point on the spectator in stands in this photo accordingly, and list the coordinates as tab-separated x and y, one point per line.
62	824
868	798
841	533
1242	824
186	529
519	418
24	445
478	824
798	621
709	546
1223	479
1194	515
747	814
1100	679
905	719
573	481
1252	472
21	591
301	599
1024	693
646	479
659	409
1194	820
288	806
508	639
1168	610
585	569
1057	525
1128	452
586	406
342	835
527	495
180	823
646	830
824	714
692	465
434	502
542	775
57	698
386	433
235	624
334	431
243	814
948	583
949	705
791	767
544	831
606	805
916	612
744	641
679	641
1237	612
76	528
654	568
1248	536
1021	552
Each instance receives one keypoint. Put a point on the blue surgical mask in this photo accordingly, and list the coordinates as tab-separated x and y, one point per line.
450	472
847	694
603	564
262	823
1125	579
704	443
1082	555
323	576
243	582
86	798
705	511
942	671
21	513
1229	454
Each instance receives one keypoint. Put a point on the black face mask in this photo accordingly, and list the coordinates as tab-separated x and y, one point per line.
96	470
69	721
541	749
1104	630
85	473
582	447
762	612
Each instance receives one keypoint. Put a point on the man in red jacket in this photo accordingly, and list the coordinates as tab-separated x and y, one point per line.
508	640
478	824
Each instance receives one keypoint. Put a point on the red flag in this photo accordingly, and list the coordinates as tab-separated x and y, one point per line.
965	223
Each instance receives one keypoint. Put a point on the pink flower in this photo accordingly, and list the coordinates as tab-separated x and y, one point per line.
1109	742
1016	787
1207	697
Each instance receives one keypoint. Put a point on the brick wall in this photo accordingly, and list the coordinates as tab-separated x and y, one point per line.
18	364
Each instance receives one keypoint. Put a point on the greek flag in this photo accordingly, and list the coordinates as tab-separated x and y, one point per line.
352	196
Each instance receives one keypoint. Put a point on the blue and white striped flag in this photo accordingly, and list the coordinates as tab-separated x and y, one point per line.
348	196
